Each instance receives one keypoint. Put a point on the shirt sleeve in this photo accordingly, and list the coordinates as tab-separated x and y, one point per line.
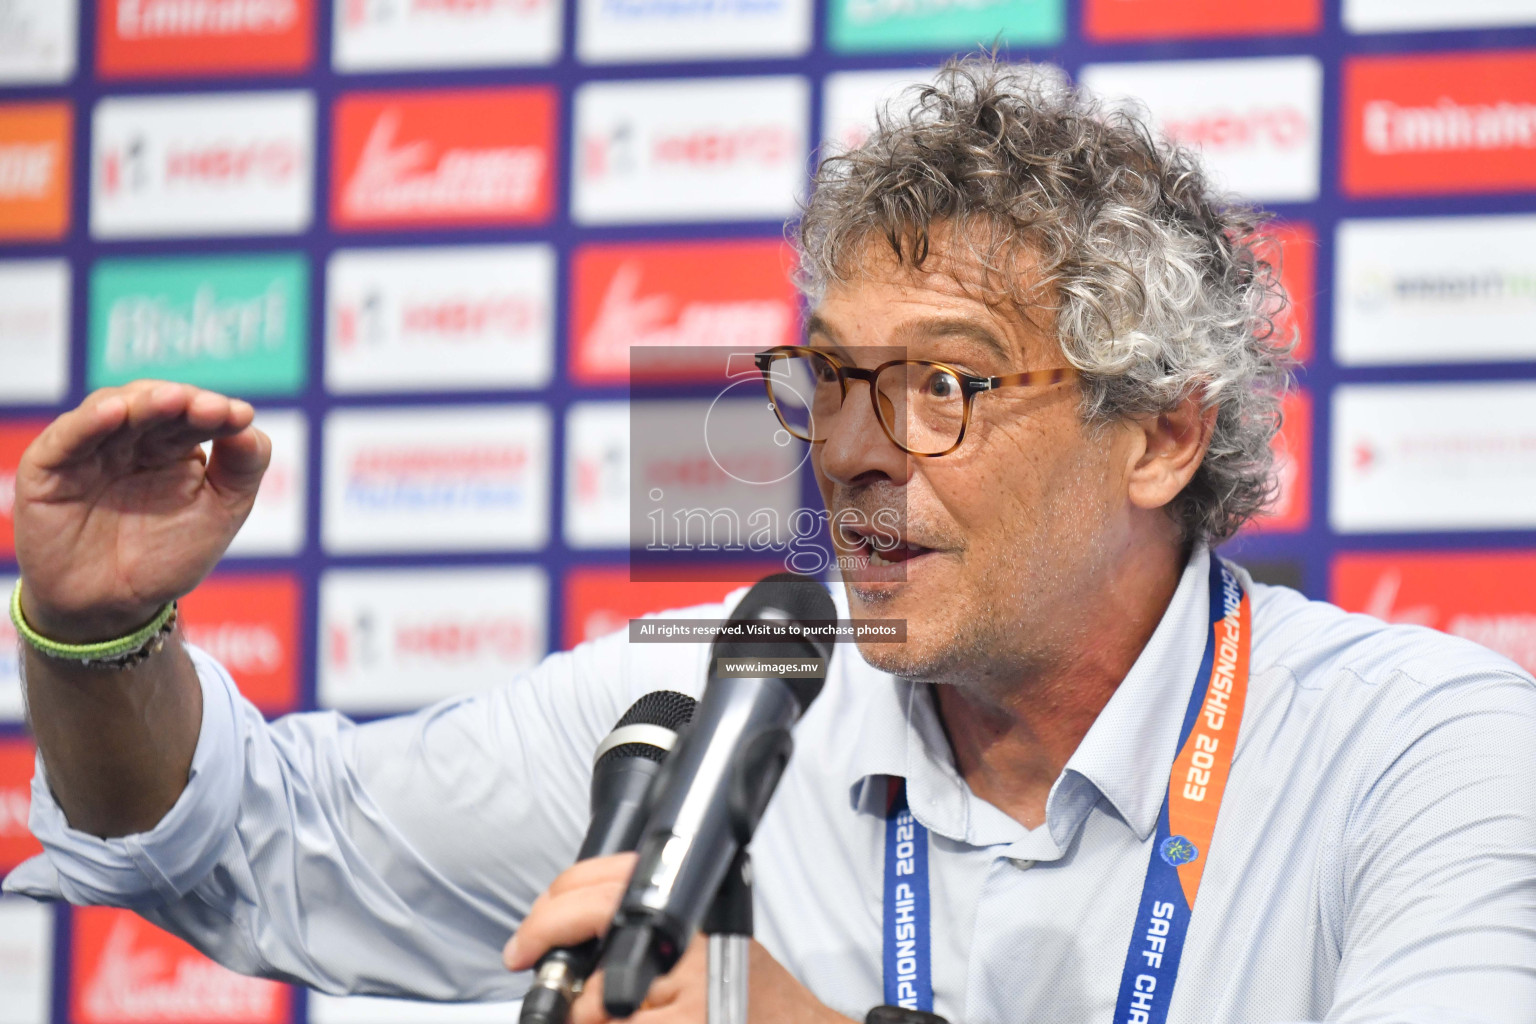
392	858
1439	862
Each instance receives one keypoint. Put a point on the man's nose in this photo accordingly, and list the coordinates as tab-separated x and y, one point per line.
857	446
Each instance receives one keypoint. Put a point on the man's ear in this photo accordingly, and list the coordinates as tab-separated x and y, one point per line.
1173	445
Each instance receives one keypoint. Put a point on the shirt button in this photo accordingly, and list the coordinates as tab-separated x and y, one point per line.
1023	864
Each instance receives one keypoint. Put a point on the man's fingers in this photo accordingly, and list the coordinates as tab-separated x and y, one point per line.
157	418
238	462
80	432
563	920
594	870
587	1008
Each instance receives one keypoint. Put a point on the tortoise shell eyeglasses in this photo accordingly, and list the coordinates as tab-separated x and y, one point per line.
923	406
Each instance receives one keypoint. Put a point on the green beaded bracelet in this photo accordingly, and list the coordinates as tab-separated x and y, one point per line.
119	653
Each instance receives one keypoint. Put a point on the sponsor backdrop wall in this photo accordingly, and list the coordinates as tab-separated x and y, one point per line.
423	236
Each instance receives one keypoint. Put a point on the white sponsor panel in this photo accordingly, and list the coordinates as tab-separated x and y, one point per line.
649	30
11	707
850	101
1435	290
397	639
1433	457
383	35
1256	121
26	960
597	475
1419	15
466	317
37	40
34	331
226	164
276	525
700	149
460	478
324	1009
715	475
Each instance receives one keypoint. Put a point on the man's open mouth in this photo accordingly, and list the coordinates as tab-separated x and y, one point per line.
870	556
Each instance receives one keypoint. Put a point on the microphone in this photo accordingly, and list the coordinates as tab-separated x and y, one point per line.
625	764
713	790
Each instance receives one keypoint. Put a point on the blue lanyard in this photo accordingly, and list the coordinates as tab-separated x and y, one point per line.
1162	918
908	983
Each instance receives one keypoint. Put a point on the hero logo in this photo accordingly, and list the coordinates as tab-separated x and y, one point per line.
221	164
365	644
692	150
27	170
129	971
471	317
156	19
430	321
1255	121
706	147
478	156
693	294
171	165
396	639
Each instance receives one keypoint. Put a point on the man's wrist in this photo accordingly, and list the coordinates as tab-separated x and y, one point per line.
82	627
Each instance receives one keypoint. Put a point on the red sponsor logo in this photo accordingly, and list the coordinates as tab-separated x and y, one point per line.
1486	597
708	147
694	294
1298	273
35	146
14	438
16	843
125	971
138	38
428	321
470	156
599	600
250	623
1292	507
1440	123
222	165
1169	19
1221	129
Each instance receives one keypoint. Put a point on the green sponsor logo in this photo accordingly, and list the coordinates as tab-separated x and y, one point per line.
236	324
863	25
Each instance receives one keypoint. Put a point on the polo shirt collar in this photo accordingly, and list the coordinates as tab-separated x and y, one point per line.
1125	756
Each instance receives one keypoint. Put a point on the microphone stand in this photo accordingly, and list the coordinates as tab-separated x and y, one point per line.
729	927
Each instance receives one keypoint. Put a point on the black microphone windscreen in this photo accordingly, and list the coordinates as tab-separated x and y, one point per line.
801	598
665	708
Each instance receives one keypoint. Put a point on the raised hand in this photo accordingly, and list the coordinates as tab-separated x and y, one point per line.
119	511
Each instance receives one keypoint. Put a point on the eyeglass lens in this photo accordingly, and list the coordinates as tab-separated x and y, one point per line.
921	406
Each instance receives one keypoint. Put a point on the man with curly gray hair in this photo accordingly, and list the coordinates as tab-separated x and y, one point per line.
1106	778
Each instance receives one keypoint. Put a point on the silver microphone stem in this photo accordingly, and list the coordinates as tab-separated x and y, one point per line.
728	978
